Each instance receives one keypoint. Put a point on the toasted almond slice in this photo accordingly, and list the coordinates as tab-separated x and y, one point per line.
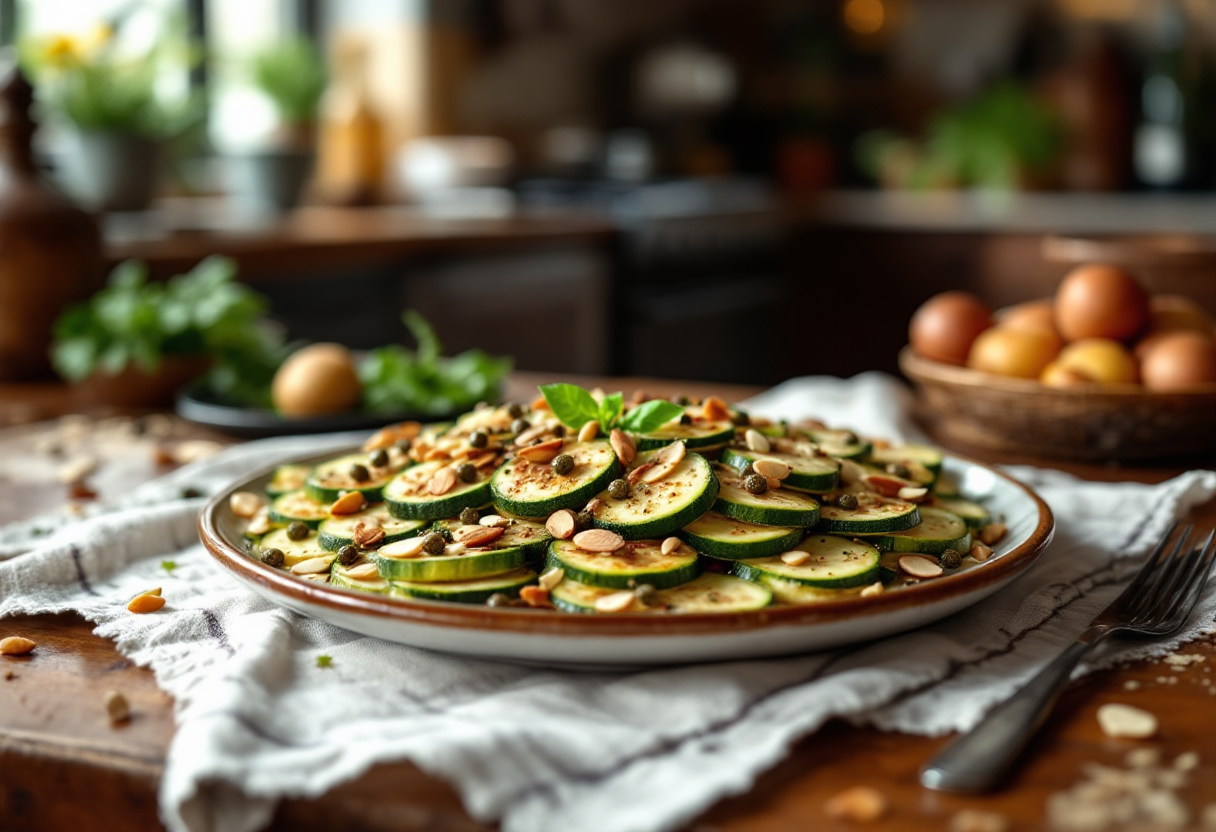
436	455
622	445
261	522
442	482
488	458
1119	720
535	432
912	495
637	473
368	536
561	524
860	804
873	589
588	431
145	603
979	552
773	483
598	540
551	578
16	646
539	403
886	486
496	521
454	549
392	434
665	461
154	591
670	545
542	452
408	548
475	536
118	708
756	441
616	602
363	572
351	502
773	469
795	557
714	409
536	596
919	566
850	472
312	566
593	505
993	533
245	504
317	577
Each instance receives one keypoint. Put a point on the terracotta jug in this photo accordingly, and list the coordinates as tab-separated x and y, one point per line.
50	250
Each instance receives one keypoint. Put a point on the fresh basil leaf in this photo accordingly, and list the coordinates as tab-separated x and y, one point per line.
429	348
650	416
571	404
610	411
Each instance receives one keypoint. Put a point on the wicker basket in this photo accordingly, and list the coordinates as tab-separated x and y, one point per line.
1121	422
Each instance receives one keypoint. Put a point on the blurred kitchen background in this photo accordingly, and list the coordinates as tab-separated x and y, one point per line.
700	189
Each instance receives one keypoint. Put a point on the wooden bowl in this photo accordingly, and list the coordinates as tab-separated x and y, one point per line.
1115	422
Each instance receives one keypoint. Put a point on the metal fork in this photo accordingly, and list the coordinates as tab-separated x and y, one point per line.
1156	603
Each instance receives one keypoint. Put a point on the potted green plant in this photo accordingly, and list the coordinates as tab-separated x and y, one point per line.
119	115
293	76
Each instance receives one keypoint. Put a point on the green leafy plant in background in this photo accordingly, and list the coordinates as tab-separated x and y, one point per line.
996	140
293	76
204	313
421	381
575	407
98	86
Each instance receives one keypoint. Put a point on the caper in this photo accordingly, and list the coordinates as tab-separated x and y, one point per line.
403	445
359	472
467	472
499	599
562	464
618	489
559	431
347	555
478	439
950	559
433	543
515	410
740	419
848	437
682	400
898	469
445	533
583	521
755	484
519	426
272	557
747	470
685	419
379	458
847	502
297	530
469	516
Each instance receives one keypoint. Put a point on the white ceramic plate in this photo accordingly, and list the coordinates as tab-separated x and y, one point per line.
624	639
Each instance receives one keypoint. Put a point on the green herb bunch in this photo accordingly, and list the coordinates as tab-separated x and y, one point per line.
575	407
420	381
202	313
292	74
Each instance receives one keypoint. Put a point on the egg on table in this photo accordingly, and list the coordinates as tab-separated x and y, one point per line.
317	380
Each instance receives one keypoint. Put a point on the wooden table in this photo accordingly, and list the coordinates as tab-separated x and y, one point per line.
62	766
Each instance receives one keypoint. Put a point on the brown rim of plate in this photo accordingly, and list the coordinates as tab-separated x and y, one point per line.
556	623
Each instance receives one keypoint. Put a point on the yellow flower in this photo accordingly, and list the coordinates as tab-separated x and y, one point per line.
61	51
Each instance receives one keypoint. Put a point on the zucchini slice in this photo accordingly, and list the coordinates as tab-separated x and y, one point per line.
841	444
937	531
474	591
456	563
529	535
339	575
700	434
294	551
409	498
637	562
532	489
710	592
655	510
298	505
789	592
724	537
835	563
923	455
874	514
817	474
330	478
336	532
775	507
287	478
973	514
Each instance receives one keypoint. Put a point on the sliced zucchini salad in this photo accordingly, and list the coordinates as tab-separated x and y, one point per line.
587	504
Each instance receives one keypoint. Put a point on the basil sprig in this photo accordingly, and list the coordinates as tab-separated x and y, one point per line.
575	407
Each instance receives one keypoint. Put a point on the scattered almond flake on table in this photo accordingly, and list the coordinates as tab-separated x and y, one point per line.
1119	720
974	820
1139	797
1180	661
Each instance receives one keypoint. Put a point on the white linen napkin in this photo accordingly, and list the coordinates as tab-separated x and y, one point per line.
539	749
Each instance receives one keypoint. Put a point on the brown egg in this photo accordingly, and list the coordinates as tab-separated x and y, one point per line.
1022	353
1057	375
1033	314
1099	301
317	380
946	325
1178	360
1101	359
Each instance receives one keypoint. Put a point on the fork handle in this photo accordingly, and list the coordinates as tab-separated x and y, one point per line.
976	761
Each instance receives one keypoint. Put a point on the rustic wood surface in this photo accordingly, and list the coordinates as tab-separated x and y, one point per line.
63	767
